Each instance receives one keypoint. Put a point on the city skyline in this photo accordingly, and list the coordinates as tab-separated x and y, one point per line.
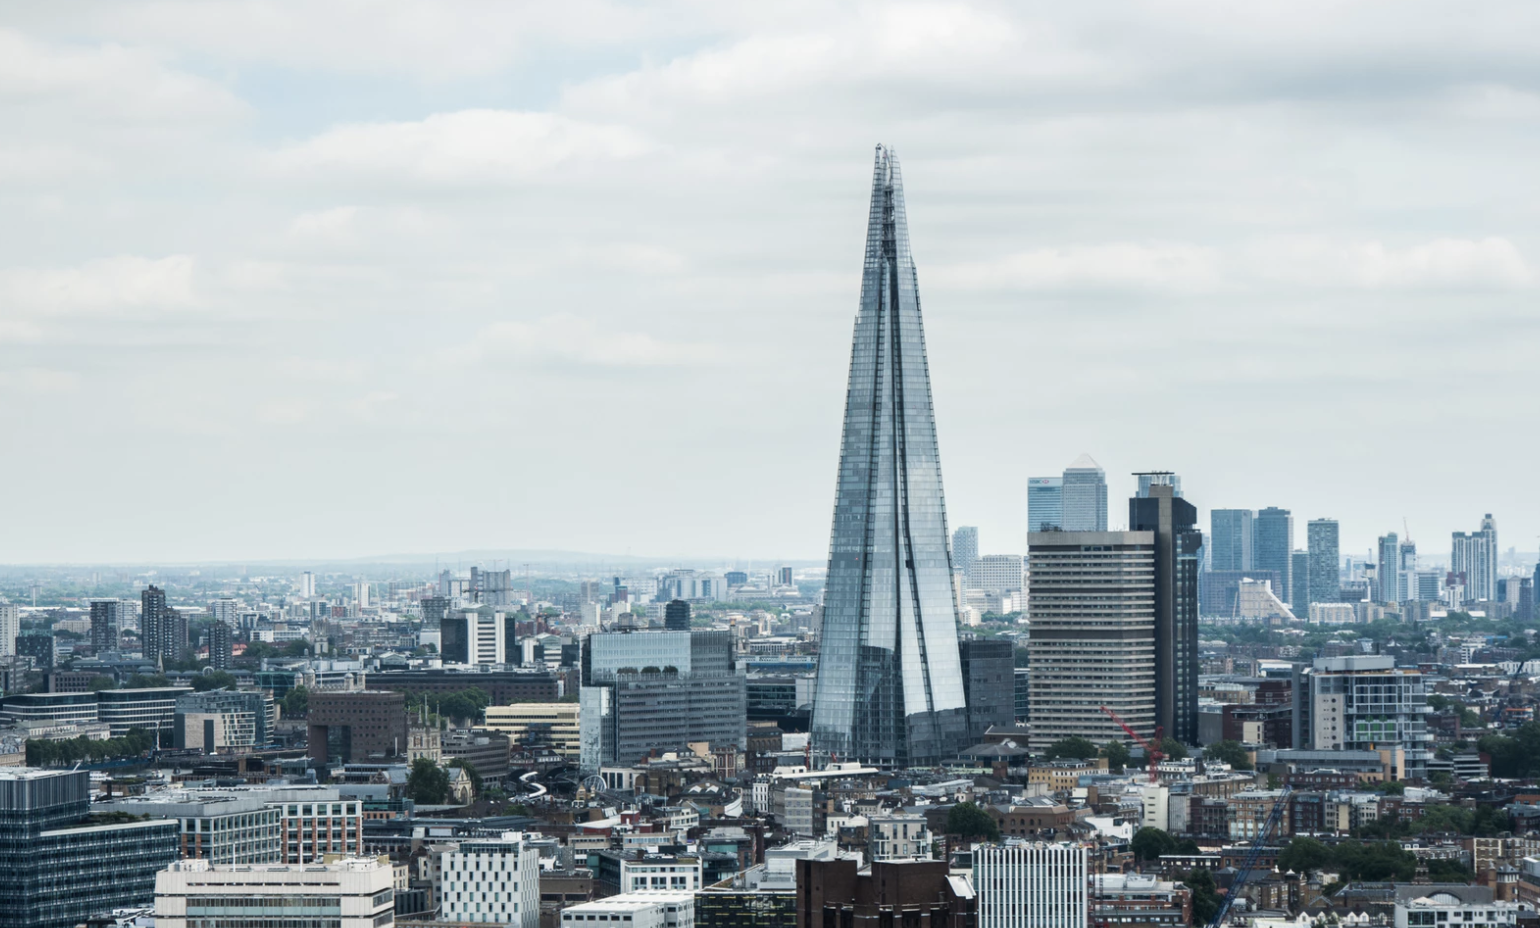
528	223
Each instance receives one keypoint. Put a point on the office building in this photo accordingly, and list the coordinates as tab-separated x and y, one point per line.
1092	603
1450	905
1387	572
493	587
1475	555
965	550
676	616
889	682
1173	523
1299	582
530	725
1045	503
219	827
1272	547
221	646
477	635
1084	496
1364	703
56	869
226	611
646	909
1325	565
900	892
989	679
1158	479
307	585
108	619
1030	886
898	836
353	892
1138	900
352	727
504	686
39	646
162	629
152	708
999	573
492	880
224	721
10	628
1230	537
657	691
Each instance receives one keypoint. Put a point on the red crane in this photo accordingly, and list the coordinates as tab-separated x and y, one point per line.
1150	750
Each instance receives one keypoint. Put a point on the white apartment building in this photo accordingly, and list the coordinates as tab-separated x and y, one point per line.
10	627
651	909
351	893
1445	909
492	881
999	573
1332	614
1365	703
899	836
677	874
1030	886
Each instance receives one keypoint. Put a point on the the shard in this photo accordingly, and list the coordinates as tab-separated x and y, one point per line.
890	686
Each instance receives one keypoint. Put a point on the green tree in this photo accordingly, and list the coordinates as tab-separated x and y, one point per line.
1304	854
1231	752
1205	896
257	650
296	648
141	681
1149	843
296	703
1173	749
968	820
219	679
1073	747
427	783
1117	755
101	682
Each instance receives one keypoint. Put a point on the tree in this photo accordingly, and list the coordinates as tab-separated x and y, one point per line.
1116	753
219	679
1073	747
1149	843
1304	854
141	681
1205	896
1173	749
296	648
296	703
968	820
101	682
1231	752
427	783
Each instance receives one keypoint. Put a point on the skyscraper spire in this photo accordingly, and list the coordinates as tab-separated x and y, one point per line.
889	677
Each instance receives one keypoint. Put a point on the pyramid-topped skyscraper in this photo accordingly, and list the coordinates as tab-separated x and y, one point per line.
890	687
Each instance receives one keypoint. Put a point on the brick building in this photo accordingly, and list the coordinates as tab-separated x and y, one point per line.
351	727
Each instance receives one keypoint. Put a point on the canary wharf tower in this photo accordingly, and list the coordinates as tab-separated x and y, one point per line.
889	678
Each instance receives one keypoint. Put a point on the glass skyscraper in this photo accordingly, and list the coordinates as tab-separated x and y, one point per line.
1085	496
1325	566
889	686
1272	546
1045	503
1232	533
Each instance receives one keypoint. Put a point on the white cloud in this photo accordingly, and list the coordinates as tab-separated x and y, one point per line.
567	339
126	281
1116	266
461	148
1441	264
38	380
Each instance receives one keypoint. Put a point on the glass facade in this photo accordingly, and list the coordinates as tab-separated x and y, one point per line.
1325	567
889	682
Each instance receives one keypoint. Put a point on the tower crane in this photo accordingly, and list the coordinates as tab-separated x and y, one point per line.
1252	856
1151	750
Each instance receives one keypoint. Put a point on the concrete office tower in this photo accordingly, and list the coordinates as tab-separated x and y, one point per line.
492	880
676	616
1177	540
361	594
1085	496
1232	534
1092	603
889	685
352	892
1387	571
477	635
1299	583
1031	886
10	628
1271	547
1325	564
1045	503
1475	556
965	550
1000	573
307	585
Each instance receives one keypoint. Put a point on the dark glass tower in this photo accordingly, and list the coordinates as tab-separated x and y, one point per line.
889	678
1177	541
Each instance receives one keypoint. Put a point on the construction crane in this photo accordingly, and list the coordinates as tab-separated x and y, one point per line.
1151	750
1252	856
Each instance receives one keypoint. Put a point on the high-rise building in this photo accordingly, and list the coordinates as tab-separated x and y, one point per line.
221	646
475	635
307	585
352	727
989	682
1031	886
1475	556
676	616
57	868
162	629
1045	503
10	628
353	892
1173	522
1299	582
492	880
965	550
1271	547
108	616
1231	536
1387	572
1365	703
1085	496
1158	479
999	573
889	685
1092	602
1325	564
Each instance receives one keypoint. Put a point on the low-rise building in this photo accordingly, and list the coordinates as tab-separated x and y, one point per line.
1030	886
221	828
491	880
647	909
899	836
348	893
552	725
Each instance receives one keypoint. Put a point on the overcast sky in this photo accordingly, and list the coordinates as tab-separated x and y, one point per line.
328	279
